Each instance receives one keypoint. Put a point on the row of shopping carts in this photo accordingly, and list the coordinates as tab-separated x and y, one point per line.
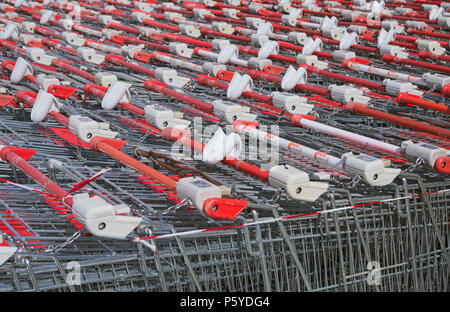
75	59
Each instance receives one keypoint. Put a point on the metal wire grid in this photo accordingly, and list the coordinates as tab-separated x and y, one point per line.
331	250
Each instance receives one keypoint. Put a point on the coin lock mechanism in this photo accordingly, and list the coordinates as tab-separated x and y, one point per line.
103	219
197	190
85	128
231	111
162	118
296	183
372	170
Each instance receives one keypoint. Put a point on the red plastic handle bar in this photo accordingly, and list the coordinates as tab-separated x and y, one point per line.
442	164
405	98
359	108
104	146
223	208
439	68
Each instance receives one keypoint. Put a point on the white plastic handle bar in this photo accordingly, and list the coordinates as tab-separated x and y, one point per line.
350	136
